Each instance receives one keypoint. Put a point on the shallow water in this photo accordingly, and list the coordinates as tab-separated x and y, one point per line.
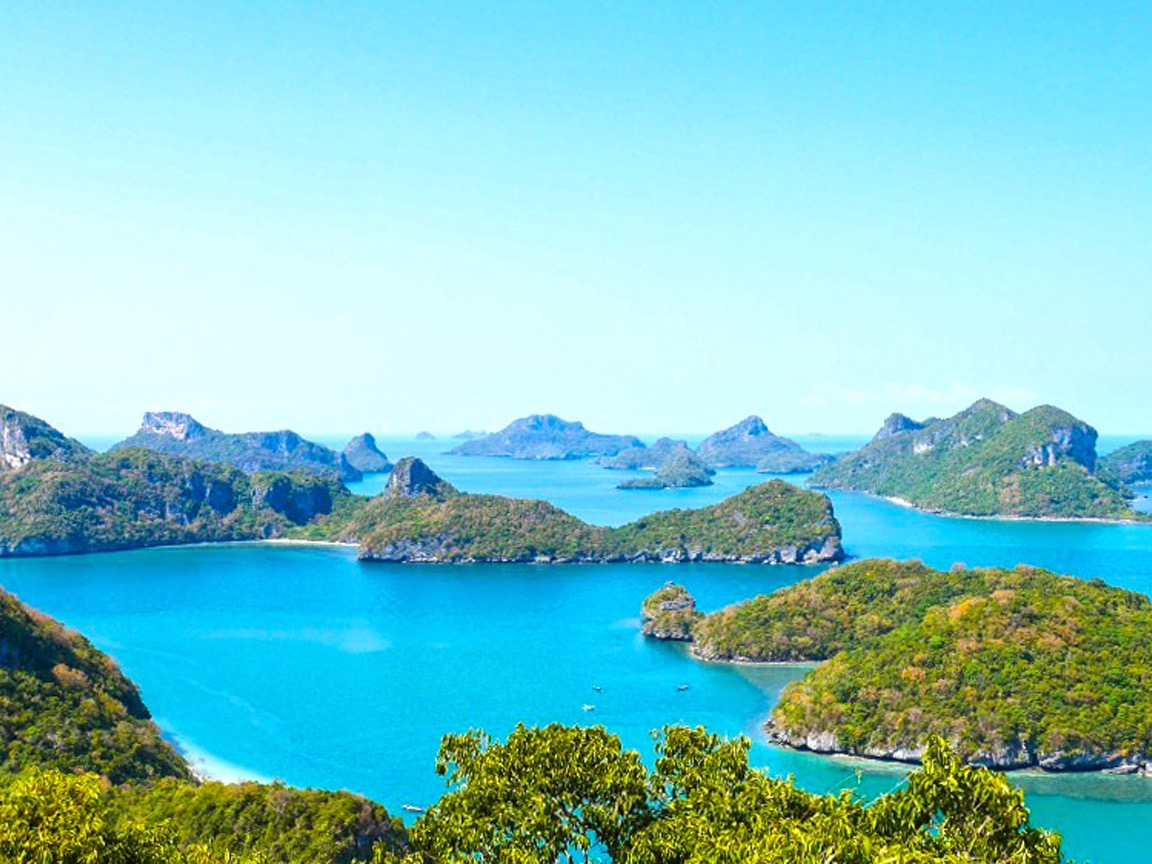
303	664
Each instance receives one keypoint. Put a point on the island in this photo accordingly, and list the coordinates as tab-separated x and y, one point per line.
750	444
425	436
986	461
177	434
363	455
546	436
1130	464
1013	668
422	518
680	469
670	613
643	458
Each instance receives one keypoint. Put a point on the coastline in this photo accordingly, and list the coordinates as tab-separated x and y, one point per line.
908	505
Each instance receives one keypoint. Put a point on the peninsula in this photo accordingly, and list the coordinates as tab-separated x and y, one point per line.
1130	464
986	461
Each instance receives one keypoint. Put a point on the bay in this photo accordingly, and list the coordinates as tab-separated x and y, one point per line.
300	663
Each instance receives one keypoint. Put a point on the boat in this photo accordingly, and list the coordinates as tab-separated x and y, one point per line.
596	687
588	707
683	687
411	808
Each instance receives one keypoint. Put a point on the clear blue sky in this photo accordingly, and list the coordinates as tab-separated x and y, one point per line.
648	216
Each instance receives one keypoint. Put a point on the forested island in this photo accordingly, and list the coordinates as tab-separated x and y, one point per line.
986	461
421	517
1013	668
545	436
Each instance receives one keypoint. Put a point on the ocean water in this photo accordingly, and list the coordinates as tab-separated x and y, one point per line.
300	663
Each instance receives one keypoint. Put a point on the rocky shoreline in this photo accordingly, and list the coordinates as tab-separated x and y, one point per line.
1008	758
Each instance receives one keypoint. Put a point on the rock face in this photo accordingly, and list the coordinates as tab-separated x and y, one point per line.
546	436
182	435
750	444
681	469
363	455
411	477
24	438
895	424
670	613
986	461
1131	464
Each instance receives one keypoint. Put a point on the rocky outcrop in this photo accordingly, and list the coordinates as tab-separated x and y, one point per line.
24	439
411	477
546	436
363	455
750	444
178	434
299	499
895	424
669	613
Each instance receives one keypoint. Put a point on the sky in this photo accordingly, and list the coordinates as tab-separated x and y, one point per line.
647	216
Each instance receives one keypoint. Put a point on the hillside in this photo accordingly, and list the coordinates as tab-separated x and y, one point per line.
177	434
986	461
1033	670
363	455
65	705
546	436
680	469
422	518
131	498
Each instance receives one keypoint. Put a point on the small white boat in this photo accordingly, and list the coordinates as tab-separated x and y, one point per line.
596	687
683	687
411	808
588	707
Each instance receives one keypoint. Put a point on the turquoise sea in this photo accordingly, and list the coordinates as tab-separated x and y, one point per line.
299	663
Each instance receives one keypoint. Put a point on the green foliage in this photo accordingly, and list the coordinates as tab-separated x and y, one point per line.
282	823
816	618
570	794
132	498
757	524
63	704
1021	667
48	817
987	461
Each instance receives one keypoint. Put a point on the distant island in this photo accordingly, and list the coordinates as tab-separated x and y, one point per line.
363	455
680	469
1131	464
644	458
986	461
177	434
546	436
422	518
1014	668
425	436
750	444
